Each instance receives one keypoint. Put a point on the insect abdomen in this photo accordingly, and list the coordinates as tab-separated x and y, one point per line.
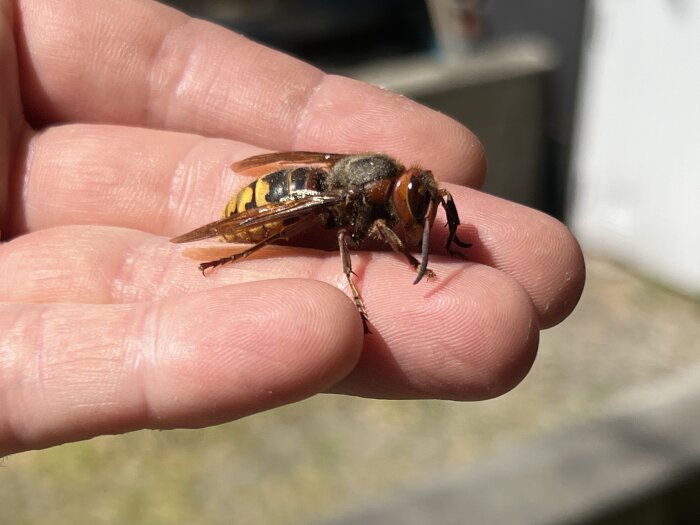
272	188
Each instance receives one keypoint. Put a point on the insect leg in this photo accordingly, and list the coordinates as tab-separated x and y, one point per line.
241	255
452	222
386	234
285	233
344	243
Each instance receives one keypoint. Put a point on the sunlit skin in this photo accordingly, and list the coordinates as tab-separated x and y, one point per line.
107	149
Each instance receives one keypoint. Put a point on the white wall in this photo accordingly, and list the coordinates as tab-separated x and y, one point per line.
636	164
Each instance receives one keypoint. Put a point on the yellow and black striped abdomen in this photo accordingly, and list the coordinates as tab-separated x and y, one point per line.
272	188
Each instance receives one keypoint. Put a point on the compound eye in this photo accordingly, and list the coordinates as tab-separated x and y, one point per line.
418	197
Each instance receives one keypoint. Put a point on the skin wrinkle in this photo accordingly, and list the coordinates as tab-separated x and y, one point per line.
19	181
145	360
183	184
178	179
120	53
187	85
162	281
179	185
110	384
296	93
130	290
210	96
161	60
10	375
40	355
151	162
123	273
305	113
26	370
142	166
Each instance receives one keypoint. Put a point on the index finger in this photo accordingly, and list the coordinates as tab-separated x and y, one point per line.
140	63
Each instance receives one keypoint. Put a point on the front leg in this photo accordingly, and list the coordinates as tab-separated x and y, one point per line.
381	231
452	222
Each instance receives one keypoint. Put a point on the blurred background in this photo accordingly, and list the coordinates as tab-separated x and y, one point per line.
588	110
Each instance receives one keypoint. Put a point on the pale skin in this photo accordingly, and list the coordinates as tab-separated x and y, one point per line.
119	122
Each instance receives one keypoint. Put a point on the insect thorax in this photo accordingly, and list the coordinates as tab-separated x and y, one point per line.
356	171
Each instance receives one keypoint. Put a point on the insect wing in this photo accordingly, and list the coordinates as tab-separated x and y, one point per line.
272	212
209	252
203	232
268	162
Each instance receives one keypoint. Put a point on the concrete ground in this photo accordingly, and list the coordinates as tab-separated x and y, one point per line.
331	455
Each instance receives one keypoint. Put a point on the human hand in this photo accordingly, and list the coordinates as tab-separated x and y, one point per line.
110	109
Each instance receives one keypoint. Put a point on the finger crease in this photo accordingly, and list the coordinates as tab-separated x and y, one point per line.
22	350
141	342
306	111
163	76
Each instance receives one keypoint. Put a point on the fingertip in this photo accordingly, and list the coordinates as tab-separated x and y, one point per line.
499	341
235	350
572	269
547	260
536	249
333	326
478	166
510	347
468	164
468	335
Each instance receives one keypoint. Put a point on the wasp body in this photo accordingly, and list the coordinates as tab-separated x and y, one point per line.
358	195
